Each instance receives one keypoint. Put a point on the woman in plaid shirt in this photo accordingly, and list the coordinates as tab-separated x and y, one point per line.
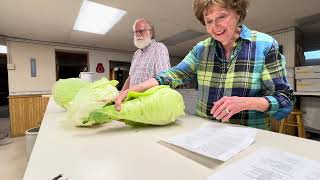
240	72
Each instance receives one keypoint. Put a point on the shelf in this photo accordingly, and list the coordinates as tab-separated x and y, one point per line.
312	130
301	93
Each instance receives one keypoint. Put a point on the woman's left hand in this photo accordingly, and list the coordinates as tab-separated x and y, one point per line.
227	106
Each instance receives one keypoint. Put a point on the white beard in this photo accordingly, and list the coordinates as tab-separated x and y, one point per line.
142	43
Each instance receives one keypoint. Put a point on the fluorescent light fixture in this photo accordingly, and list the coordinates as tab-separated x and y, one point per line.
97	18
3	49
312	55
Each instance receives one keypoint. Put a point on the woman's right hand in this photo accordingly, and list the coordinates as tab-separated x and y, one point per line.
118	100
138	88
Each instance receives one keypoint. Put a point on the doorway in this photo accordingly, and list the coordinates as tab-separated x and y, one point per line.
4	93
119	71
70	64
4	88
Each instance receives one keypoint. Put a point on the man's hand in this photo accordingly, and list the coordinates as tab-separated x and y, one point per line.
118	100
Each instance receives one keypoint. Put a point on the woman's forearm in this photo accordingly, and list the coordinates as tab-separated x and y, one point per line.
258	104
144	86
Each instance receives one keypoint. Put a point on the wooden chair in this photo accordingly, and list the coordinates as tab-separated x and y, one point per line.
296	121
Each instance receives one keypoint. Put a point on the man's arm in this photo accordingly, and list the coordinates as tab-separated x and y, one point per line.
126	84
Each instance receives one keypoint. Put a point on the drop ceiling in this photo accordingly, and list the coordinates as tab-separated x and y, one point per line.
53	20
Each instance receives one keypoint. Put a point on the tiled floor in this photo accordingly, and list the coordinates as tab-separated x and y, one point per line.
4	124
13	159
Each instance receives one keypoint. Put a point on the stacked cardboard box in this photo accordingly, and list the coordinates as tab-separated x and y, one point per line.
310	107
307	78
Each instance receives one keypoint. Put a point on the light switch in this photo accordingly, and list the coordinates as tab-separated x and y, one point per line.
33	67
11	67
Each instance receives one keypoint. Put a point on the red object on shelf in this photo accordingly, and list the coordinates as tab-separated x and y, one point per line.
100	68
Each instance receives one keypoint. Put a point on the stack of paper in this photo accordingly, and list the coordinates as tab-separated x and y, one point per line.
217	141
269	164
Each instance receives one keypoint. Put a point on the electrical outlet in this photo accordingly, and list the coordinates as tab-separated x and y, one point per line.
11	66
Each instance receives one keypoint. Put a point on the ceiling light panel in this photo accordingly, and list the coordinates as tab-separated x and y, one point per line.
97	18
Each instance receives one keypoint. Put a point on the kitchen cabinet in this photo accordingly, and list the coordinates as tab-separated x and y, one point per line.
26	111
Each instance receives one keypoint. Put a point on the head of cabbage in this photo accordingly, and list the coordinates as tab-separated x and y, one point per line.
90	98
65	90
159	105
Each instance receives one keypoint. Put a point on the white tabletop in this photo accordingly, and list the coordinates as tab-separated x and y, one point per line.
115	151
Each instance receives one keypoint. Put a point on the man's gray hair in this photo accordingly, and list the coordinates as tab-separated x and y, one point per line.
147	22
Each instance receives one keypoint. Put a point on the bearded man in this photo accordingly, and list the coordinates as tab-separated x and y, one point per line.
151	58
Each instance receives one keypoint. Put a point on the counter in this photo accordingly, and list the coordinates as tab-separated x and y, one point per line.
117	152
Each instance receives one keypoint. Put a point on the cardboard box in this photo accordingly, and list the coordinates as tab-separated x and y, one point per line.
310	108
308	85
307	72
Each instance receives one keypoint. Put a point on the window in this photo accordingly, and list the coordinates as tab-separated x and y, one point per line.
312	57
3	49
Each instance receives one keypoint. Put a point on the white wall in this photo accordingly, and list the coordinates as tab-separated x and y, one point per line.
20	80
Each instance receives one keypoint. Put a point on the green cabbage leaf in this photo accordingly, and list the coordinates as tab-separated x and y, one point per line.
159	105
91	98
65	90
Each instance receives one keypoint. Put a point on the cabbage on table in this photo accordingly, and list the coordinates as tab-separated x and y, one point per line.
65	90
159	105
90	98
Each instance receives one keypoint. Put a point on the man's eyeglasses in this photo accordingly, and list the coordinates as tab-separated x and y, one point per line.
140	31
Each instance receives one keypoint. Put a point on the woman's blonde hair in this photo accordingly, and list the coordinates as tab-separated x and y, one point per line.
239	6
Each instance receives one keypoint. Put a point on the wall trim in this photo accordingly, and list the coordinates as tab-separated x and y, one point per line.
59	44
67	45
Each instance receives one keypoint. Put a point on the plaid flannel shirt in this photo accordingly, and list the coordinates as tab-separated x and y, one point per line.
256	69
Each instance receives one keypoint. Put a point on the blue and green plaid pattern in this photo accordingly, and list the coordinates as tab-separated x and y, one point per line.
256	69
